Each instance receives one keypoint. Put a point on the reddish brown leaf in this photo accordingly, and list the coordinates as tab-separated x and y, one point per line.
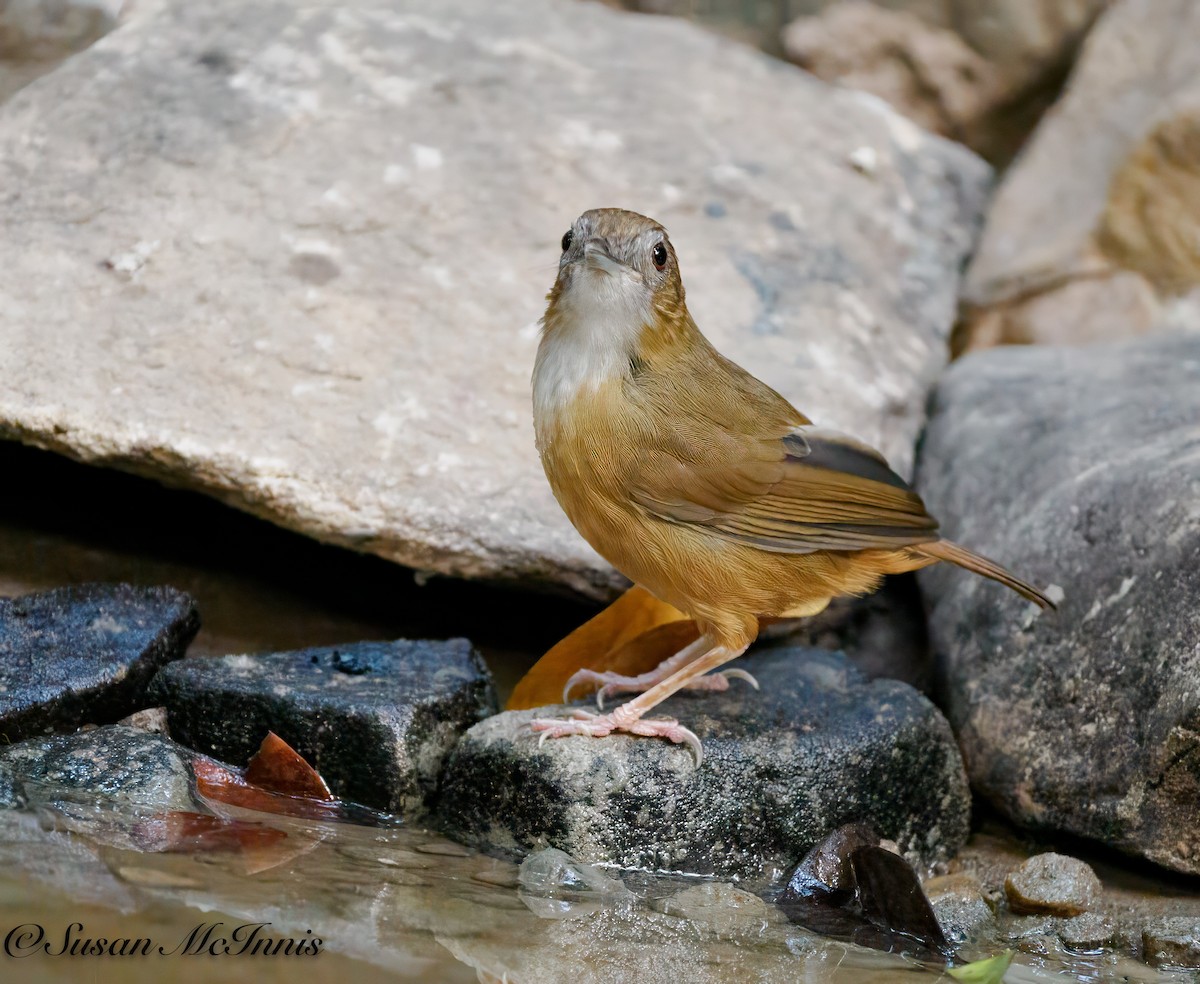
218	782
279	768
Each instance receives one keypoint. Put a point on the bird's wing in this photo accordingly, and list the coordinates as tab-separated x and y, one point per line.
805	490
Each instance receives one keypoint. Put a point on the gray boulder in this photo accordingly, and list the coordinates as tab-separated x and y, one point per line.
295	257
375	719
817	747
1081	469
85	654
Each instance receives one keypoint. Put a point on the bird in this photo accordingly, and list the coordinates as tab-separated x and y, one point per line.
698	481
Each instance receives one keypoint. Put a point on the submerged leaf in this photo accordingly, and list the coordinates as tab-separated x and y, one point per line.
180	831
612	640
989	971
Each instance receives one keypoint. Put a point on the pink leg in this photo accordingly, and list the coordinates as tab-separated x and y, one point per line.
615	683
628	717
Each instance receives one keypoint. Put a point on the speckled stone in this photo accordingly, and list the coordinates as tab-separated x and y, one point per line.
84	654
1173	941
114	767
376	719
1087	932
961	910
817	747
1052	884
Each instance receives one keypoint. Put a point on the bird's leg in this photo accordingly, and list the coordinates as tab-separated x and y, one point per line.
629	717
616	683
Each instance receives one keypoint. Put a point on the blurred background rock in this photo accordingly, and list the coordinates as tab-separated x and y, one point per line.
35	35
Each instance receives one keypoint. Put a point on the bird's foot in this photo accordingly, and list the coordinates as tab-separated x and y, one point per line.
609	684
586	723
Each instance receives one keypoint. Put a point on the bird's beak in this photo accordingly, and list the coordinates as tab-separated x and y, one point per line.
597	257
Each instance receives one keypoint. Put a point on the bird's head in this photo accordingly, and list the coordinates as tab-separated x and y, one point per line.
618	276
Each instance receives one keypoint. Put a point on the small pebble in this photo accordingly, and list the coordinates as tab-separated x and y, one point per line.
445	849
719	906
552	872
1172	942
1053	884
370	856
1088	933
959	905
156	878
152	719
502	879
864	160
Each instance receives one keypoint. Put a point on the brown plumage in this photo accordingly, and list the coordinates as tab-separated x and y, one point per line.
696	480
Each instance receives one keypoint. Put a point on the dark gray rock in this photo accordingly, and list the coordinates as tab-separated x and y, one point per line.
114	768
1078	468
376	719
85	654
817	747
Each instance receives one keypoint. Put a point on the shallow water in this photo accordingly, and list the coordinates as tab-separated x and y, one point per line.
388	903
396	904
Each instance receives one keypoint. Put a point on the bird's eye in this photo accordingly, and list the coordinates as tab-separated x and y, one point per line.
659	254
567	237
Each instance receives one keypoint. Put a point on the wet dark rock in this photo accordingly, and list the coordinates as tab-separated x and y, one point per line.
1052	884
826	874
1078	469
375	719
1173	941
891	898
99	770
961	910
817	747
850	887
1089	932
85	654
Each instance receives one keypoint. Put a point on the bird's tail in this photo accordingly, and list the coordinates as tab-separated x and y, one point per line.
946	550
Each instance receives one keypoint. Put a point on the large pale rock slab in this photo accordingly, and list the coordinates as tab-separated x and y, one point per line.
1078	468
1093	232
295	256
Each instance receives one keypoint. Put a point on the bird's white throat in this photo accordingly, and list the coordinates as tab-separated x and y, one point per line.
589	337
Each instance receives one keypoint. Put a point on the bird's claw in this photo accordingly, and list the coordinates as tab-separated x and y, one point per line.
592	725
735	673
610	684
